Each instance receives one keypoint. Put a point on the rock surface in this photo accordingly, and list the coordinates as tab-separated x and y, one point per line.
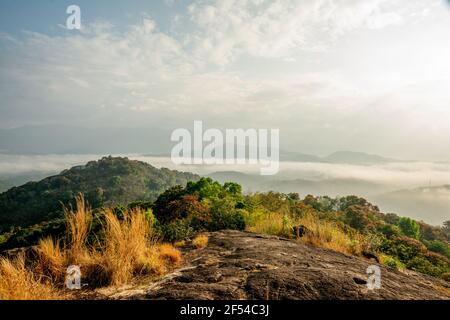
239	265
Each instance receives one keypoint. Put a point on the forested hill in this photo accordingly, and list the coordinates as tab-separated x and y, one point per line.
107	182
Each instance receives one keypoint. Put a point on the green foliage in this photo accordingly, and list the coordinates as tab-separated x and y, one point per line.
357	217
423	265
389	230
392	262
176	230
206	188
205	205
178	212
438	247
24	237
224	215
107	182
409	227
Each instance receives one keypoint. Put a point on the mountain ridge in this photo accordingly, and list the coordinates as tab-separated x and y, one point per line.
108	181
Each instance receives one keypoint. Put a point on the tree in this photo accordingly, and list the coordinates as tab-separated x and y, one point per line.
161	207
409	227
205	188
447	229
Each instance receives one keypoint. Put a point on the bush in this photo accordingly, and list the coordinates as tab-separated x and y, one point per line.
177	230
438	247
446	276
389	230
421	264
392	262
225	216
409	227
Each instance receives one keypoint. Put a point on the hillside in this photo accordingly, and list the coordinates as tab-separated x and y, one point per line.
293	248
107	182
237	265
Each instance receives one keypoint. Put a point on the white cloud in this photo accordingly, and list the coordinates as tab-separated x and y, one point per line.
321	64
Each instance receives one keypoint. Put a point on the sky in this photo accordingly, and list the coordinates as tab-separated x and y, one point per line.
370	76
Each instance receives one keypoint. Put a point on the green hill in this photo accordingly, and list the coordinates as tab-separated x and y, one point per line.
107	182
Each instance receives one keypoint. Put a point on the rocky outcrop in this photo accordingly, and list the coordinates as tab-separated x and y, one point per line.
239	265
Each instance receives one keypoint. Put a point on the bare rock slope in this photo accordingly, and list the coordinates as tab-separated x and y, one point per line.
239	265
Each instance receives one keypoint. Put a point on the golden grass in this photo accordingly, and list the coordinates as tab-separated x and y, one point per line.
200	241
19	283
325	234
269	224
52	259
179	244
170	253
128	246
328	234
78	224
128	249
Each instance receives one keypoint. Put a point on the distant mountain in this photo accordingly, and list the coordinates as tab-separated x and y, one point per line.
55	139
330	187
4	185
9	181
109	181
300	157
350	157
338	157
431	204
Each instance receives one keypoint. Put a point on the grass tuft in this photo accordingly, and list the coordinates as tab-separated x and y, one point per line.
200	241
19	283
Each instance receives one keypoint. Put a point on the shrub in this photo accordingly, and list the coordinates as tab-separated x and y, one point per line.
391	262
409	227
438	247
446	276
389	230
225	216
177	230
421	264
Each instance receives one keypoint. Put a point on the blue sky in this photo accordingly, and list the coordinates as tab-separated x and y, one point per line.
368	75
45	15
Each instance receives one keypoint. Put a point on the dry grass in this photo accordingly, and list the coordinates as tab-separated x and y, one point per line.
170	253
19	283
127	250
78	225
129	247
271	223
328	234
52	260
179	244
325	234
200	241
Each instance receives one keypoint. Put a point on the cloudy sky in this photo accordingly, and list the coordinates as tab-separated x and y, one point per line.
370	75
